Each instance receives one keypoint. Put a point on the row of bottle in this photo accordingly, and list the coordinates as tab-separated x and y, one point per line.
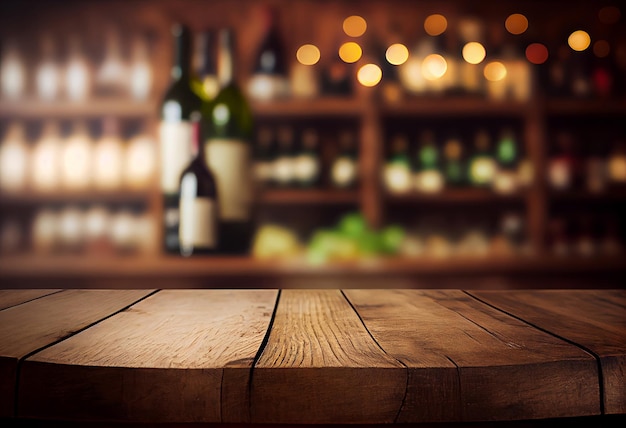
586	236
74	229
76	77
76	161
429	164
284	158
602	166
448	238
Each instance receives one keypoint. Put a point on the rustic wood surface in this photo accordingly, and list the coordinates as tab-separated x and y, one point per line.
313	356
36	324
10	298
460	351
161	360
594	320
320	365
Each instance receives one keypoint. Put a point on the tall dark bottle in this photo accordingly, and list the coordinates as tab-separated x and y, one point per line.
228	122
197	232
179	104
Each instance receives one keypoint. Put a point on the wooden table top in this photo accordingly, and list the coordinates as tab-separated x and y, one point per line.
311	356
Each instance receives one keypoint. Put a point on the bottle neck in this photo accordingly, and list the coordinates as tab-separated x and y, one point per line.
182	53
226	60
197	145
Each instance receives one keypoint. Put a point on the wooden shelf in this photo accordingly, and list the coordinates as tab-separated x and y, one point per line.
578	107
107	267
318	107
35	109
34	198
469	195
608	196
446	106
308	196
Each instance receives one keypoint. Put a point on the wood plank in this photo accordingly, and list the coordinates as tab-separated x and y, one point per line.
33	325
164	359
320	365
505	369
10	298
593	319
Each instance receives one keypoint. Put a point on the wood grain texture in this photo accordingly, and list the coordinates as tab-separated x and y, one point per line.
320	365
33	325
162	360
10	298
595	320
506	369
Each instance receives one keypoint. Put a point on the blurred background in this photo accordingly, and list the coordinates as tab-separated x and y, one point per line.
395	143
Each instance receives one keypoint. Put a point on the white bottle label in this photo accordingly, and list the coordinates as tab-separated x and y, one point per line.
306	168
198	218
175	138
229	160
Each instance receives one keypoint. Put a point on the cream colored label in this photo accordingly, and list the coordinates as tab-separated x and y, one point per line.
175	142
198	223
229	160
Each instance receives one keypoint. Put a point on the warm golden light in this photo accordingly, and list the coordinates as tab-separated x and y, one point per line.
601	48
435	24
434	67
516	23
609	15
397	54
537	53
369	75
474	53
350	52
308	54
495	71
579	40
354	26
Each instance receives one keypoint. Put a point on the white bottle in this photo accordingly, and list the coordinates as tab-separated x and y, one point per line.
48	74
78	79
140	161
46	158
107	157
76	159
112	76
13	159
141	76
12	72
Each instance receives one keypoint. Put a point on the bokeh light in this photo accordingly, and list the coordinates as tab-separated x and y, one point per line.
516	23
369	75
579	40
397	54
609	14
601	48
308	54
435	24
474	53
354	26
350	52
495	71
434	67
537	53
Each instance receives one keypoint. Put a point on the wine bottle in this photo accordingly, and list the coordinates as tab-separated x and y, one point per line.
205	84
107	156
307	163
505	179
12	71
264	157
284	165
228	134
48	75
14	159
269	77
179	105
344	170
198	204
428	177
397	170
482	166
77	158
112	76
45	158
78	73
454	169
140	71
